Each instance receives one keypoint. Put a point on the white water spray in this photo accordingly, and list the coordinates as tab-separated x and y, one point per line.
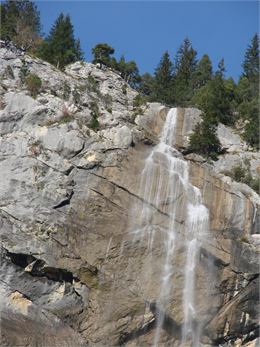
164	180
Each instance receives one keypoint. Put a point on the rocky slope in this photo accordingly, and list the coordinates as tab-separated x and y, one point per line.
70	271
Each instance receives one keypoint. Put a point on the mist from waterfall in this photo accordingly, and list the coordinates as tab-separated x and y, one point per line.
164	180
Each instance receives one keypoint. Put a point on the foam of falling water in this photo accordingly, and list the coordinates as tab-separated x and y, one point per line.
164	178
197	225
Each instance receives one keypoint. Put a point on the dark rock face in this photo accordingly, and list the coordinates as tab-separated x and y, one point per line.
71	274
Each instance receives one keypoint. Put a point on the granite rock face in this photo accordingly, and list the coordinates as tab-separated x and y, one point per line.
71	271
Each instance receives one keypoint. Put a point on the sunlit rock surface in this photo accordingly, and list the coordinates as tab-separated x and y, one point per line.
71	273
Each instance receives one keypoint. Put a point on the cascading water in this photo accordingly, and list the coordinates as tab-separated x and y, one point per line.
164	180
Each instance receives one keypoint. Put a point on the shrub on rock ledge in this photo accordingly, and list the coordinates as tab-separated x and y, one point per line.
204	140
34	84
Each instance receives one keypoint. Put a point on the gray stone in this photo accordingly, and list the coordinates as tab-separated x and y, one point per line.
71	273
230	140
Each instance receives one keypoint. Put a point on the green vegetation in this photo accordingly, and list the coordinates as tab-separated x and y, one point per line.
33	84
248	93
20	23
66	116
94	123
102	54
76	96
129	71
185	67
9	72
183	81
204	139
243	175
92	85
23	73
60	47
221	99
66	91
161	90
203	72
188	82
139	100
124	89
107	101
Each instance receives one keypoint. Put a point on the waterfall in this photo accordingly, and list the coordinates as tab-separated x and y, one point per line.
163	183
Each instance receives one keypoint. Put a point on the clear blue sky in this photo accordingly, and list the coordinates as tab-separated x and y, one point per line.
143	30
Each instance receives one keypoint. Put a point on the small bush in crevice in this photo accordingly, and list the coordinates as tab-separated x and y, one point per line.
107	101
138	111
92	85
139	101
66	91
24	72
243	175
76	96
94	123
66	116
34	84
9	72
124	89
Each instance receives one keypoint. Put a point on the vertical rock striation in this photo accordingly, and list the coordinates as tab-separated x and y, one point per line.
70	271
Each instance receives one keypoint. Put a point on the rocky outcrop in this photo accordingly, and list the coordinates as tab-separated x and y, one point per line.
71	271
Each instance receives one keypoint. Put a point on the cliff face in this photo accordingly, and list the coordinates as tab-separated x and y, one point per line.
71	271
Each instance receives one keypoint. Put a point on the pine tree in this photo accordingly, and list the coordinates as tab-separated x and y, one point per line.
249	112
203	72
221	68
146	84
213	99
251	61
129	71
185	66
243	90
102	54
247	93
20	23
251	65
162	86
60	48
204	139
231	92
132	74
121	65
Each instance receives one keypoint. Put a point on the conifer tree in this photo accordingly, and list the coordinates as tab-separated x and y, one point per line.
247	93
60	48
102	54
129	71
214	100
162	86
20	23
185	66
204	139
251	61
243	90
132	74
146	84
203	72
221	68
121	65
